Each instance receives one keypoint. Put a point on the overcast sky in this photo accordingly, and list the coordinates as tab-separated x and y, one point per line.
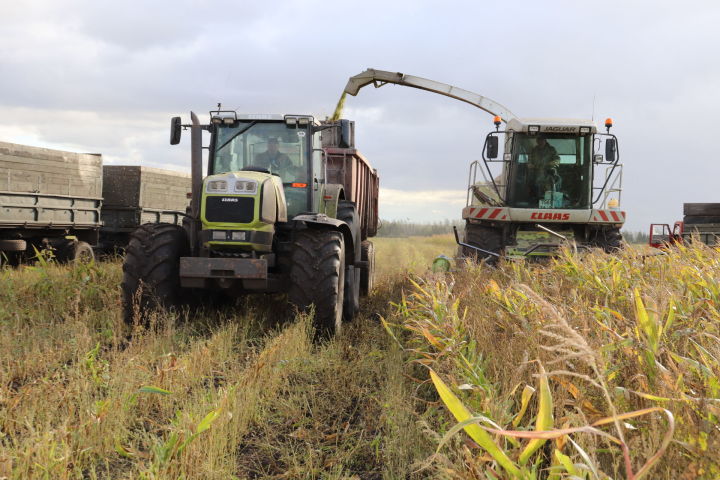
96	76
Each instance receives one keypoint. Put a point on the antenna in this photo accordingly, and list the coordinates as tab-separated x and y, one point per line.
593	110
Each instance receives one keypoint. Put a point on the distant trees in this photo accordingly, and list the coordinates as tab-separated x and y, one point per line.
406	228
635	237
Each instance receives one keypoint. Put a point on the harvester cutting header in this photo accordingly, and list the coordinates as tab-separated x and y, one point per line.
553	184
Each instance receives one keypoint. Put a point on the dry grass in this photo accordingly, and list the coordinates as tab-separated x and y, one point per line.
239	392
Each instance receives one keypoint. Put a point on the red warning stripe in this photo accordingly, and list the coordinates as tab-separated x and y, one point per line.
481	213
615	216
603	215
495	213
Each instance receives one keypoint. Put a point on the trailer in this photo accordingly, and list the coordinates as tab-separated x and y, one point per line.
70	204
49	200
135	195
700	221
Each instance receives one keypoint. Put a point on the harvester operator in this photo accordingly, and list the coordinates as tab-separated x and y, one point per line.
272	158
542	165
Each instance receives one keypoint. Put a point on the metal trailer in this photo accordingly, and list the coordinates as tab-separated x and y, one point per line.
49	199
135	195
700	221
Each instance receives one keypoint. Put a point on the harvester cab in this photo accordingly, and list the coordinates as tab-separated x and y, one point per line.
264	216
551	185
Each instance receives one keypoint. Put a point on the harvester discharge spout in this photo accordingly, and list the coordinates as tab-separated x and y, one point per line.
381	77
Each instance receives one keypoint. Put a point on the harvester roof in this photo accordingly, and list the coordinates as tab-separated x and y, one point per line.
551	125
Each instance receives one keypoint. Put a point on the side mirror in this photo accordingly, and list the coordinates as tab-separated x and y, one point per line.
492	146
175	130
610	150
346	140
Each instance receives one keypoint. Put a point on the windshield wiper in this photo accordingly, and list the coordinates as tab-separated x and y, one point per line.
234	136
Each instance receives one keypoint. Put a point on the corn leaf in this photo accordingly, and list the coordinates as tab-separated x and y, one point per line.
544	419
481	437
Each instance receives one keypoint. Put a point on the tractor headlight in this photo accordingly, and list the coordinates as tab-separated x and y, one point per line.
217	186
246	186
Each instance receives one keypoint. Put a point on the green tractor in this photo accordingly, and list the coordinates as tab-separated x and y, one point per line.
287	206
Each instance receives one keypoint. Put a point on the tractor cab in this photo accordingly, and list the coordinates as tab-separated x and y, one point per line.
277	146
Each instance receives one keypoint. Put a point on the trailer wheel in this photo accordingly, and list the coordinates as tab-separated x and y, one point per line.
487	238
609	240
13	245
367	274
317	277
347	212
151	270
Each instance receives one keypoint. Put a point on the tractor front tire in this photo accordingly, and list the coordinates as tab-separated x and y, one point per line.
317	277
151	270
487	238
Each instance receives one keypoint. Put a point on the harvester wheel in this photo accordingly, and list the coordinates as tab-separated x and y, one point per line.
317	277
367	275
347	212
151	271
609	240
487	238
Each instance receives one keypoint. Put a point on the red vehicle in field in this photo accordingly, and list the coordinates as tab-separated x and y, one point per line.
700	221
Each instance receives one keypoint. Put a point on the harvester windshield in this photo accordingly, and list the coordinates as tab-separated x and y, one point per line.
273	146
550	171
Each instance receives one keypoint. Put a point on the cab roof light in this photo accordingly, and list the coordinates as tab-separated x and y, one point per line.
584	130
608	124
303	121
533	128
291	121
497	121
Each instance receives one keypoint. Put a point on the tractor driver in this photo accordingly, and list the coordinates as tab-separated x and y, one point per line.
272	158
542	166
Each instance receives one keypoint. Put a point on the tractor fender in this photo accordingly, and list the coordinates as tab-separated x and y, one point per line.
321	220
332	195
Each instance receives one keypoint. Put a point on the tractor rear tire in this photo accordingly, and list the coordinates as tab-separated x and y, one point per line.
317	277
609	240
367	274
487	238
151	270
347	212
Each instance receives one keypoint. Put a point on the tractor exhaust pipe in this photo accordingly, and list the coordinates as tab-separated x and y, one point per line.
195	165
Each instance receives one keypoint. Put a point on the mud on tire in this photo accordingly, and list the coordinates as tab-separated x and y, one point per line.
317	277
367	275
151	270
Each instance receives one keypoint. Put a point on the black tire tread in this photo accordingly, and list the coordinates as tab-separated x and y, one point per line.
367	275
316	258
152	261
610	240
487	238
